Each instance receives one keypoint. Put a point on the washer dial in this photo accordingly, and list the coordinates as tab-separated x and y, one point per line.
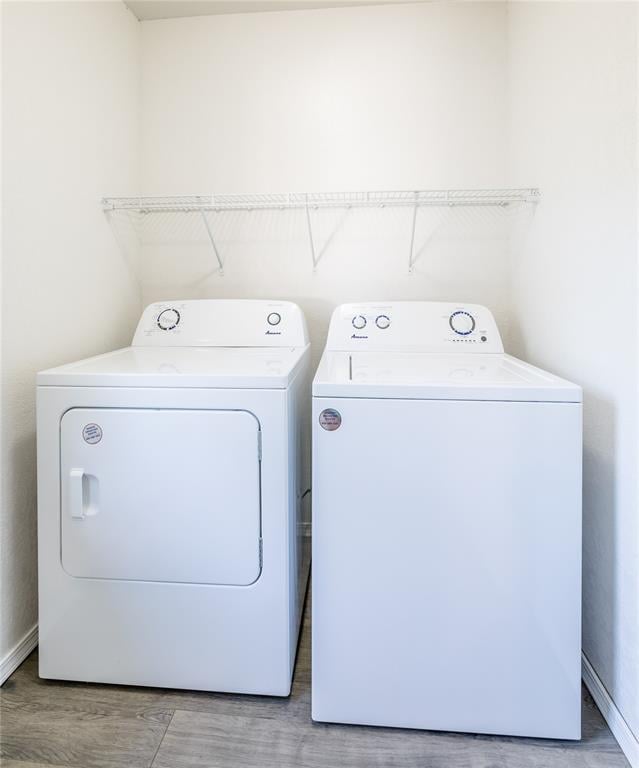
359	322
274	318
463	323
382	321
168	319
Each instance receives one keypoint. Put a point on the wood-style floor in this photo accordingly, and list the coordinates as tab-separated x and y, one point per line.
45	723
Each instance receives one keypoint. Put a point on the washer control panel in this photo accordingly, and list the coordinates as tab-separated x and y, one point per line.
221	323
421	326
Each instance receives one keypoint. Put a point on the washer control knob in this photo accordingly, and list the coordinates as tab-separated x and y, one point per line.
168	319
359	322
382	321
274	318
462	322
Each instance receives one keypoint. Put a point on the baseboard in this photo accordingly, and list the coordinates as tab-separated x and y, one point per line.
619	727
18	653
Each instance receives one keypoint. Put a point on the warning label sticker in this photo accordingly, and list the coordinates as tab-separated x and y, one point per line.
330	419
92	433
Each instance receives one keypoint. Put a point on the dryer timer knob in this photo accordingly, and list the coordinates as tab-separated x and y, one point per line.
463	323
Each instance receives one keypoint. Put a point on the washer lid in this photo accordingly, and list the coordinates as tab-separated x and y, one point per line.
227	367
430	376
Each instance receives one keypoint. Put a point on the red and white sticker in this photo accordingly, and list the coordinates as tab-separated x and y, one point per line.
330	419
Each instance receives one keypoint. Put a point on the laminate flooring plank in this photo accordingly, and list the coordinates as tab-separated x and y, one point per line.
196	740
23	764
74	724
205	740
599	760
555	755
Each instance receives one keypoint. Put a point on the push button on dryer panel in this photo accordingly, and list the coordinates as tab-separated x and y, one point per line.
168	319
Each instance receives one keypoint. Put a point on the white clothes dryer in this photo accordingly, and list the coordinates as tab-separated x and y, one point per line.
446	527
173	481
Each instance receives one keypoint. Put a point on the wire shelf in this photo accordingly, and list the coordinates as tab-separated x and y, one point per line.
300	200
205	206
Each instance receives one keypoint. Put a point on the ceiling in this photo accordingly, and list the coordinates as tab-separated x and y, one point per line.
147	10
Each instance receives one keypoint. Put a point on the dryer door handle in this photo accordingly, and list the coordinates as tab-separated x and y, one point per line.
76	494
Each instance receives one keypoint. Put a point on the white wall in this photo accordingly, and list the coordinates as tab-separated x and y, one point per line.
401	97
573	87
69	110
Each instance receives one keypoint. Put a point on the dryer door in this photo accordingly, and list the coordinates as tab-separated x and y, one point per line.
161	495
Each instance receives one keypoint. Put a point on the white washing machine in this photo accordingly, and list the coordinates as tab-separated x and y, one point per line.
171	492
446	527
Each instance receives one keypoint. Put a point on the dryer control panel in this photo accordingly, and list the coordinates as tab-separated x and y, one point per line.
418	326
221	323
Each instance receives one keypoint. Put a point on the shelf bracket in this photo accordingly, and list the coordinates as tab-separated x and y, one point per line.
411	251
414	254
317	257
311	242
213	245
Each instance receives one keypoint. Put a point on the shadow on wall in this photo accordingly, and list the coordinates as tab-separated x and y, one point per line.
600	593
599	539
19	588
128	243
